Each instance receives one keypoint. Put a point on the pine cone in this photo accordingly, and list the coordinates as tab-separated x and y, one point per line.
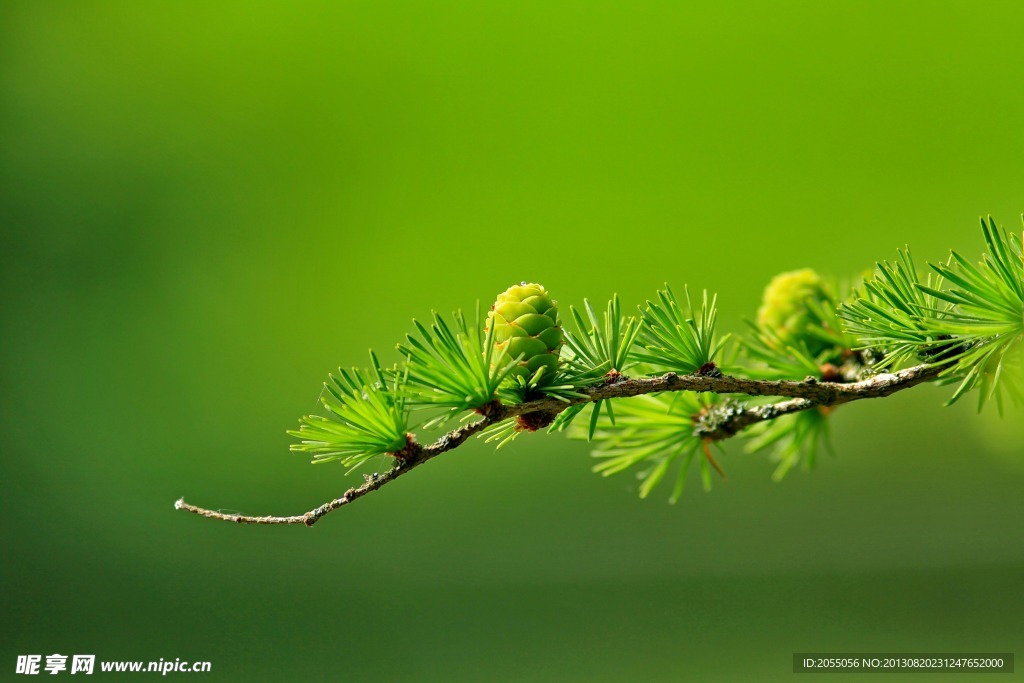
525	322
784	309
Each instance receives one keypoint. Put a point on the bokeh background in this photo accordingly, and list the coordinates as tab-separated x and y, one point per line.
206	207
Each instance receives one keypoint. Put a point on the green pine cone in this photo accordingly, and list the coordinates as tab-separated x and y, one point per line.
784	309
525	323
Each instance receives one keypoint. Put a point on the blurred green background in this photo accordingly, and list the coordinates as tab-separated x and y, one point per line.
206	207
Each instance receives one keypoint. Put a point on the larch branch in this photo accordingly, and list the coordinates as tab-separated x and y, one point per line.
802	395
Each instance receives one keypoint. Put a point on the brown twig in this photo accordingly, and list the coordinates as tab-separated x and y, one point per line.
414	456
803	395
720	427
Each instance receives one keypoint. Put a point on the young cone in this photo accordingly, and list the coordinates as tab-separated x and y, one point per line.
784	308
525	322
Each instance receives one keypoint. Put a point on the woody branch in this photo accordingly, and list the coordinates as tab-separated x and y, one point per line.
802	395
